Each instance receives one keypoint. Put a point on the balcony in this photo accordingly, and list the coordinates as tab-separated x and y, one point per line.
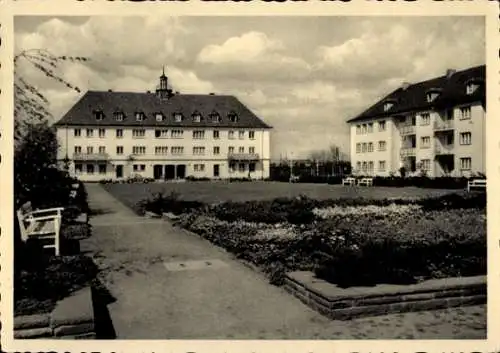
445	125
243	156
440	149
90	156
408	151
407	129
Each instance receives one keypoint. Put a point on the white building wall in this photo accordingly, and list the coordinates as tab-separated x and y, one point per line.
110	142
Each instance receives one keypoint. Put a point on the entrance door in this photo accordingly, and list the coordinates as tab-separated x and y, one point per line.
119	171
157	171
216	170
169	171
181	171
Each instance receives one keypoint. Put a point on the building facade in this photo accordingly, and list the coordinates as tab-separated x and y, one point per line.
435	127
162	135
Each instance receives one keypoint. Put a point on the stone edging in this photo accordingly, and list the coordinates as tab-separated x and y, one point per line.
344	304
72	318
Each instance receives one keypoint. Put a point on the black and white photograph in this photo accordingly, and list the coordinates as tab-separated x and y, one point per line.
249	177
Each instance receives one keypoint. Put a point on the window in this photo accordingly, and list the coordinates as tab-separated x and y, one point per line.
231	150
388	106
216	150
138	133
99	115
465	113
230	135
102	168
159	117
241	150
425	142
358	129
370	147
77	132
413	120
102	149
241	167
198	134
370	127
381	166
215	117
161	133
232	117
241	134
370	166
161	150
363	129
118	116
251	167
197	117
119	149
177	150
232	167
425	119
78	149
471	88
251	135
139	150
139	116
199	167
381	125
176	134
431	96
139	167
382	145
102	133
365	167
177	117
425	164
90	168
216	135
358	165
78	168
90	149
198	150
358	148
90	132
363	147
119	133
465	163
251	150
465	138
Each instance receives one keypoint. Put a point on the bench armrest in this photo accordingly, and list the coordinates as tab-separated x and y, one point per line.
43	218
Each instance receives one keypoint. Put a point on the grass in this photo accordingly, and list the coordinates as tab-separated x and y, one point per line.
214	192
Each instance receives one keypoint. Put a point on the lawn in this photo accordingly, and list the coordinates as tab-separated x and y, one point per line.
214	192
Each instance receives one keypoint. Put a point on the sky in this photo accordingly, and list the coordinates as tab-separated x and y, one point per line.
305	76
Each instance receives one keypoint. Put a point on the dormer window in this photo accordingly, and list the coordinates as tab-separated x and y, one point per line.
432	94
215	117
140	116
178	117
159	117
196	117
98	115
472	86
232	117
119	116
388	106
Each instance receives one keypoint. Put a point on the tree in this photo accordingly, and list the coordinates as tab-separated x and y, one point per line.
30	105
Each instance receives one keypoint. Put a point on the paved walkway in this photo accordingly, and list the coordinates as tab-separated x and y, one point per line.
170	284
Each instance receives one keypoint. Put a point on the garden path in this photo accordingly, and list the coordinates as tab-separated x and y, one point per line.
159	298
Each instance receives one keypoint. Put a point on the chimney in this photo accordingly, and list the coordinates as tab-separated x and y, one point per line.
212	94
148	91
450	72
110	90
405	85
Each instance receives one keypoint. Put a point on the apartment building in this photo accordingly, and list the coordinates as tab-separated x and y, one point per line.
436	127
162	135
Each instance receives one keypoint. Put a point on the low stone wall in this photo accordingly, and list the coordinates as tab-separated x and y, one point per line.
347	303
72	318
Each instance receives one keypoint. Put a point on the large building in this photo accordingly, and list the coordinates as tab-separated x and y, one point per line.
436	127
163	135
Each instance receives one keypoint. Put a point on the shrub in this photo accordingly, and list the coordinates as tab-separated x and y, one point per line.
160	203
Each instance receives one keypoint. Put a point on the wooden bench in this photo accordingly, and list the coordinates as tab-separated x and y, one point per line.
349	181
294	178
41	224
476	184
365	182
